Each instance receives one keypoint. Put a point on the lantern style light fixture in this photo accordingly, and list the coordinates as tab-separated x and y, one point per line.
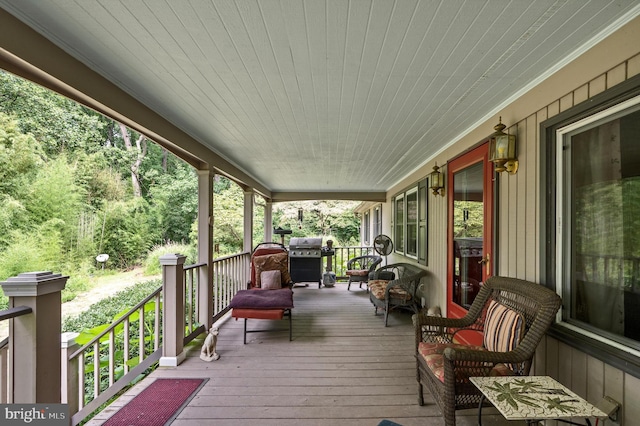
437	181
502	150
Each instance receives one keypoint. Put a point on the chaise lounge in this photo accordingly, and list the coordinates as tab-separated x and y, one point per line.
269	294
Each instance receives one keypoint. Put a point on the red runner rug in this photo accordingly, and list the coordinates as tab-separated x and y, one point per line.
157	405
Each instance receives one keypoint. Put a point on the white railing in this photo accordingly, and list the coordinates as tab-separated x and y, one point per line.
140	328
343	254
230	274
114	356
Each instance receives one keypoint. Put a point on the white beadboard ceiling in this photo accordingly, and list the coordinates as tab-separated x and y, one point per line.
324	95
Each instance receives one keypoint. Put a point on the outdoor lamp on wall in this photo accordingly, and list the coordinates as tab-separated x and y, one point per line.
437	181
502	150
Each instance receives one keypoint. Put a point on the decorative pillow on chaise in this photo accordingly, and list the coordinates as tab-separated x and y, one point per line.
270	280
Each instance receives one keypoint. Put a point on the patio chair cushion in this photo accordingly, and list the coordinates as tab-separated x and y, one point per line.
271	262
434	358
378	287
270	280
358	272
503	328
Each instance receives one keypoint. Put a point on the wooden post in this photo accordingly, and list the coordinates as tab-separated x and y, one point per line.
268	221
69	372
205	247
248	221
173	320
4	377
34	339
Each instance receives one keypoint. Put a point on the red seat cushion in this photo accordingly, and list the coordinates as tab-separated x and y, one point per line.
358	272
269	314
432	353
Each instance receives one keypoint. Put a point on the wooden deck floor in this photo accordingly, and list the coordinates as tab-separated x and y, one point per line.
343	367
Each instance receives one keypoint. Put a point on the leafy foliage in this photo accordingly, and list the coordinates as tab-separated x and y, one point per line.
102	312
152	262
60	124
127	234
329	219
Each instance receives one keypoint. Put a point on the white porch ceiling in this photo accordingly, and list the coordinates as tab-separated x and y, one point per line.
324	95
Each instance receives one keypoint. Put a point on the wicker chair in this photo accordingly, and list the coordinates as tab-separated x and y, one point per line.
394	287
444	366
359	268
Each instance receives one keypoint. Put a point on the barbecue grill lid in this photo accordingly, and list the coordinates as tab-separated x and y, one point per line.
305	242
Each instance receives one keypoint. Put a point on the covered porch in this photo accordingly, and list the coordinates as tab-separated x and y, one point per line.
342	367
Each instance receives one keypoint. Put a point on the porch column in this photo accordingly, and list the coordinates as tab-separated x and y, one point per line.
34	339
248	221
173	320
205	247
268	220
69	385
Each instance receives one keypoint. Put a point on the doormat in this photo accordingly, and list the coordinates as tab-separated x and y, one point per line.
159	404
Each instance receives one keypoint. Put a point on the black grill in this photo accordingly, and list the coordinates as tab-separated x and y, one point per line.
305	260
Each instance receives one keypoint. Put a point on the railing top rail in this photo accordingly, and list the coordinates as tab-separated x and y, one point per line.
14	312
196	265
218	259
116	323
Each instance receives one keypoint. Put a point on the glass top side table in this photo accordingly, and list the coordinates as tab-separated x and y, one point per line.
534	398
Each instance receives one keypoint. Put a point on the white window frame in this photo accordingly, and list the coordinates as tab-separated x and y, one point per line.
366	228
403	196
377	221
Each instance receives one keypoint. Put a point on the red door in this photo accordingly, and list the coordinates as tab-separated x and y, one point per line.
469	232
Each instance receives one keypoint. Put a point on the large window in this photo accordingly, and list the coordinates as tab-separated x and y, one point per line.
400	219
593	227
377	221
366	228
410	222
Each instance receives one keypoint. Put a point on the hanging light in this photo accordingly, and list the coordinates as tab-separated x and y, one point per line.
300	217
502	150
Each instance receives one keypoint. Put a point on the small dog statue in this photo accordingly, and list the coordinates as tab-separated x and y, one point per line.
208	352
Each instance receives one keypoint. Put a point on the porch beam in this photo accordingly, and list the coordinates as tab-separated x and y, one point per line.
26	53
379	197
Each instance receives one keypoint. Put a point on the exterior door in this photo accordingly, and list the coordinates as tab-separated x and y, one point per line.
470	230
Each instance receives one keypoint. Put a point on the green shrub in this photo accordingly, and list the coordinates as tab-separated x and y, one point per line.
102	312
127	234
152	263
77	283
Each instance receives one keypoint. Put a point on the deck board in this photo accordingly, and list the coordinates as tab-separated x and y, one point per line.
342	367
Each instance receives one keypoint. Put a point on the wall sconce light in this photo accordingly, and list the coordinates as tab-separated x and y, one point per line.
502	150
437	181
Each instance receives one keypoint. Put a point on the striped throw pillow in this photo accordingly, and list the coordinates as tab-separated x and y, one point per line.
503	328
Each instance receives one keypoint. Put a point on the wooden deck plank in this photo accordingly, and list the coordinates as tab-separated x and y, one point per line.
342	367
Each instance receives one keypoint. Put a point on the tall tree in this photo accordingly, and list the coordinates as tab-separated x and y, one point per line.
138	155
